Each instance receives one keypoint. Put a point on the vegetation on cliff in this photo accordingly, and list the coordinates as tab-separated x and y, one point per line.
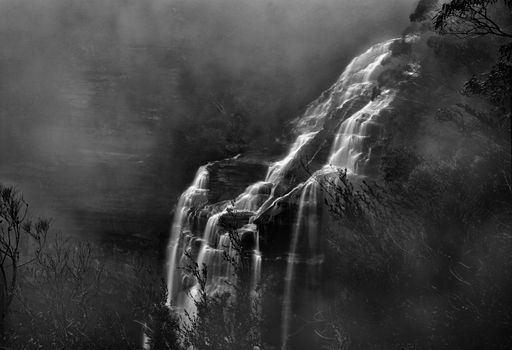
417	257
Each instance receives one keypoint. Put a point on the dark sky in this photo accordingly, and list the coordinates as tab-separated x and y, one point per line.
94	95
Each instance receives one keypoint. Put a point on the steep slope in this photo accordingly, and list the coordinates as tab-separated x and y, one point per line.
282	213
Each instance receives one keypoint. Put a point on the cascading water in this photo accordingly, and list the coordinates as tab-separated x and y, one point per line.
307	220
348	149
355	103
254	196
193	196
276	170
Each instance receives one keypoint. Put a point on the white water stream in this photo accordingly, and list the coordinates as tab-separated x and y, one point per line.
350	150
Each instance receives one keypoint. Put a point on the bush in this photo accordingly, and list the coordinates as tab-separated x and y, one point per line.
426	267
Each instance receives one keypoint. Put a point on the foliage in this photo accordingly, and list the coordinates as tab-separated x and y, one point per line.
374	233
496	84
68	299
163	326
61	292
15	231
472	18
467	19
397	164
426	289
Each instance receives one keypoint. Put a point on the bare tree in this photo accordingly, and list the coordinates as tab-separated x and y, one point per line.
15	231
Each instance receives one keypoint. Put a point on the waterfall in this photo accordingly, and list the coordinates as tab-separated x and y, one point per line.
347	151
307	220
211	229
195	195
355	102
276	170
357	80
254	196
348	146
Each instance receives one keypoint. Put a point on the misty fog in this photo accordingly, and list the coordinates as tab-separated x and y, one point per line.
101	101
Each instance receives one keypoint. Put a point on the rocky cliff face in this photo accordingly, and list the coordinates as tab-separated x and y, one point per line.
230	177
278	209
